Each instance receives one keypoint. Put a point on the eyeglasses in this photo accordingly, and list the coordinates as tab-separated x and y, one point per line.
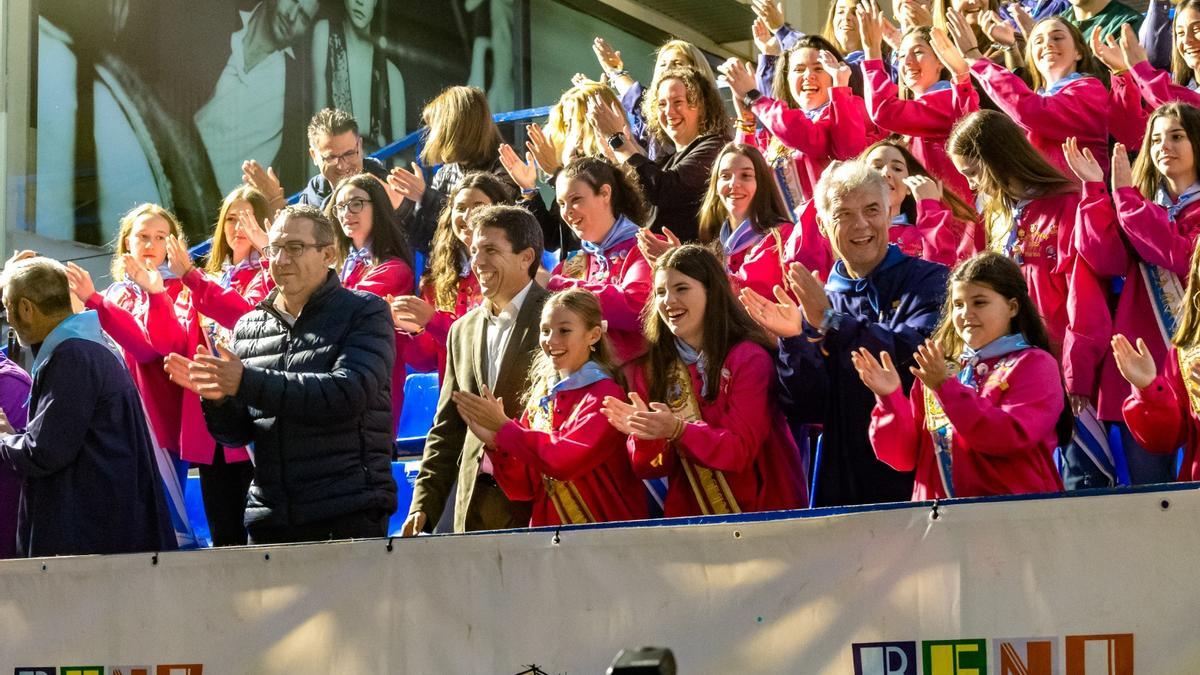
294	249
347	156
353	206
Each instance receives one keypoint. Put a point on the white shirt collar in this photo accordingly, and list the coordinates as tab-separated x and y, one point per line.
510	311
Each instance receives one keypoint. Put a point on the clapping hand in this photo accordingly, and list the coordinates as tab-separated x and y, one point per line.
524	174
653	246
484	414
144	274
1136	366
782	318
1122	174
410	184
879	375
931	366
179	260
1082	163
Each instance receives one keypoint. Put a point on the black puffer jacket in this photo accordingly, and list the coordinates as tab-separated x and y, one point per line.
315	399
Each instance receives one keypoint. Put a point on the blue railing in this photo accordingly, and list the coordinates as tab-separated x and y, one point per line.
396	147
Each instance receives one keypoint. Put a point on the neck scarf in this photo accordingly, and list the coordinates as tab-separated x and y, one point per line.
691	357
813	114
84	326
1174	208
589	374
622	231
1058	86
840	280
940	85
228	272
900	219
736	241
356	257
970	358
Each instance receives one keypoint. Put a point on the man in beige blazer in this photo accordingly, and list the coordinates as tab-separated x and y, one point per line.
491	345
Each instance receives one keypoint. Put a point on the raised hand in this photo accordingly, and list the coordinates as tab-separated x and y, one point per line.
1083	164
870	27
915	13
809	290
606	119
1122	174
764	38
609	58
524	174
653	246
923	187
1108	50
144	275
770	12
948	52
1019	14
961	31
999	30
931	366
880	378
255	232
1136	366
265	181
782	318
80	282
216	375
838	69
739	76
1133	50
179	261
410	184
543	150
410	313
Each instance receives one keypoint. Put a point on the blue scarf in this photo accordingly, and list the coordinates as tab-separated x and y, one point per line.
1193	85
691	357
164	270
83	326
970	358
228	272
589	374
840	280
940	85
622	231
736	241
1058	86
356	257
901	219
1174	208
813	114
464	266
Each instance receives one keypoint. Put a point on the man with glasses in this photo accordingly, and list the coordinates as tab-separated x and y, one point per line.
335	147
307	380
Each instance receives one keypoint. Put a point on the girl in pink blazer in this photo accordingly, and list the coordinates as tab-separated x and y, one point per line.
605	208
1145	232
1068	98
988	426
928	221
743	213
925	105
375	256
809	118
1029	211
702	411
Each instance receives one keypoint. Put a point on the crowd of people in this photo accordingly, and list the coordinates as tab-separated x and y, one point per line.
950	256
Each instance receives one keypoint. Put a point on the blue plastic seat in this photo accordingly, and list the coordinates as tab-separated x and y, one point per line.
405	474
420	403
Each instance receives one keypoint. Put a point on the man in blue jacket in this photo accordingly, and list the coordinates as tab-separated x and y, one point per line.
876	297
308	380
89	479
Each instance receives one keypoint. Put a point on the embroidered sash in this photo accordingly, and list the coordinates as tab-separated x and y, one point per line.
568	503
1163	286
783	163
1188	358
709	487
942	433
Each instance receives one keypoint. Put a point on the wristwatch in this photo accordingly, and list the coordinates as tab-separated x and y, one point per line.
616	140
830	320
750	97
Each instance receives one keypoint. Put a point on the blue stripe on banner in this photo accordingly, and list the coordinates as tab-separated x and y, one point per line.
816	471
1092	439
657	487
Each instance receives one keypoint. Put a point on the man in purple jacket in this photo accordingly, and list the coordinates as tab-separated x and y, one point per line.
876	297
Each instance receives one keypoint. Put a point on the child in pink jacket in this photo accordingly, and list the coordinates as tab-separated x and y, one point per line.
991	427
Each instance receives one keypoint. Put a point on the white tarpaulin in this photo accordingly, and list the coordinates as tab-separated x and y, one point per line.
1085	585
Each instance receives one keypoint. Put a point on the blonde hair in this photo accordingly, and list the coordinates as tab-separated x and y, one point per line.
127	221
1187	333
221	251
571	113
692	53
460	129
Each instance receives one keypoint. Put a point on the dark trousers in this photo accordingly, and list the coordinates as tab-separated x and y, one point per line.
369	524
490	509
224	486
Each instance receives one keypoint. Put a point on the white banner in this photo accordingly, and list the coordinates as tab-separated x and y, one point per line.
1098	585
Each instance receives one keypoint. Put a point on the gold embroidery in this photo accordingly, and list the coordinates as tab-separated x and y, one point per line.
576	267
1188	358
709	487
571	508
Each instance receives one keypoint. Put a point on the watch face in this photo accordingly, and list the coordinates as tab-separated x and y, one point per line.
616	140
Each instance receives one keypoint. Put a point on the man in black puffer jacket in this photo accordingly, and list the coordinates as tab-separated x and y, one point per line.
309	383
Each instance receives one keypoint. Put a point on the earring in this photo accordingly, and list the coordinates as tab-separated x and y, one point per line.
593	347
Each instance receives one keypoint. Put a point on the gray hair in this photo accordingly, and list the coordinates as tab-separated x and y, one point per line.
322	227
40	280
841	178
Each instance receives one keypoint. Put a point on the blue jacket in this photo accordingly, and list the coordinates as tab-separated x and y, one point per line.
319	189
87	461
893	309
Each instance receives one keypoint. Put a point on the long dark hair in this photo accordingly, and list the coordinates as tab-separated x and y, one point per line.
627	197
1003	276
725	322
447	253
1145	175
766	208
387	240
1181	74
958	206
